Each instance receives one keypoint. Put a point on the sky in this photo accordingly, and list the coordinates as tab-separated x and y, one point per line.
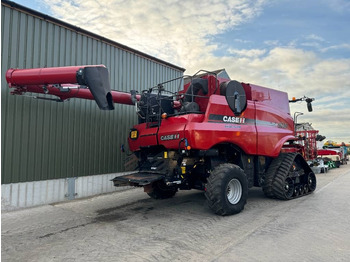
297	46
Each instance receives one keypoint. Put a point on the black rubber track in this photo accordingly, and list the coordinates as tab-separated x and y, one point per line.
278	183
279	171
216	187
278	168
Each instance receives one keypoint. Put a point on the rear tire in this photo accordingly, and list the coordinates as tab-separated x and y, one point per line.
227	190
162	191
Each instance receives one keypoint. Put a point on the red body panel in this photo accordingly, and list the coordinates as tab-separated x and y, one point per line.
146	137
214	130
169	134
261	129
172	130
268	97
274	128
274	125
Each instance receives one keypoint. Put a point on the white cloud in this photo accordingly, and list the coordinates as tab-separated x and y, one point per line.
332	123
272	42
311	44
247	52
176	31
242	41
293	43
336	47
314	37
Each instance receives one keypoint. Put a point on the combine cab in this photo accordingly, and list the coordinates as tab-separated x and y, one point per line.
214	134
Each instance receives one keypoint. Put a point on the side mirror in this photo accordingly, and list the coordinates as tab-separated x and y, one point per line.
309	105
306	99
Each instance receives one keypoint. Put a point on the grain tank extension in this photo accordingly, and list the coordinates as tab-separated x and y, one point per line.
213	134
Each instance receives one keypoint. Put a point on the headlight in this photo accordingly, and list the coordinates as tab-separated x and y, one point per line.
134	134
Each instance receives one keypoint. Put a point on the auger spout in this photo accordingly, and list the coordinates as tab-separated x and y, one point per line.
85	82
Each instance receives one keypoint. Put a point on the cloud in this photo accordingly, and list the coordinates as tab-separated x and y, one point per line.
176	31
314	37
272	42
247	52
311	44
332	118
299	72
242	41
336	47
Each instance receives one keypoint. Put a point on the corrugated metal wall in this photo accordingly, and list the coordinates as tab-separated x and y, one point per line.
46	140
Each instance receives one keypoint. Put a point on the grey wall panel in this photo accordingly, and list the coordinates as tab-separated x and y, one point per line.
47	140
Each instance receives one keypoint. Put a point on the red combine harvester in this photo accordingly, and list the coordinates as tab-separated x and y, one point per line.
216	134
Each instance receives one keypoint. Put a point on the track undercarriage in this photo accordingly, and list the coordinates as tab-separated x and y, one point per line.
288	177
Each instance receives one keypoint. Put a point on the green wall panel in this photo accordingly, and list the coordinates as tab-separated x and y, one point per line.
43	140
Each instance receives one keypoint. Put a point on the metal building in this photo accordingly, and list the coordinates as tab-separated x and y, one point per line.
53	151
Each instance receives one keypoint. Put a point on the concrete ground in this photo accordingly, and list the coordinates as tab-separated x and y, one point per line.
130	226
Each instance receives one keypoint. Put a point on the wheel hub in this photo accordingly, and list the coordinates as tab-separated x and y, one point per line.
234	191
288	187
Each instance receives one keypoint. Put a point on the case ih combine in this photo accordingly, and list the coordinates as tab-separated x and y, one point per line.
216	134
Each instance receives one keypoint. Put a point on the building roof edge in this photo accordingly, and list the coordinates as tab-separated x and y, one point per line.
86	32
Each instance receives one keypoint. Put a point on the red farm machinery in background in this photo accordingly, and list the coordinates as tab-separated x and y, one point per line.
213	134
307	140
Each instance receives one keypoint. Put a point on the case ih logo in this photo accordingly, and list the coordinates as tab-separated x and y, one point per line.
170	137
232	119
228	119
